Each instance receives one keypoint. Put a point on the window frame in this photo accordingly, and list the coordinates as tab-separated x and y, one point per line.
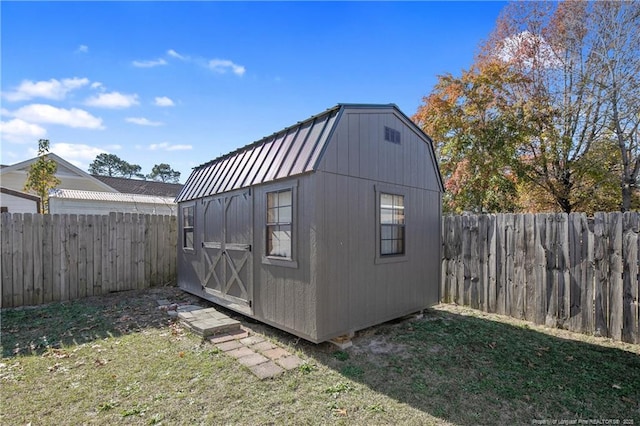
184	228
395	257
288	262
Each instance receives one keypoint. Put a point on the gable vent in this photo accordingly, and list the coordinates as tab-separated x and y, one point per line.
391	135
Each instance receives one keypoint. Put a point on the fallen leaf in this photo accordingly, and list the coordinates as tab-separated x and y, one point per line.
569	358
629	400
544	349
341	411
100	362
616	386
181	354
54	367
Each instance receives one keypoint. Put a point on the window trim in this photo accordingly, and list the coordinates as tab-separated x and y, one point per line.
390	258
287	262
183	228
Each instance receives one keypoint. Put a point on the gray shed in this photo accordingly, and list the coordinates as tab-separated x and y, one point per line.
324	228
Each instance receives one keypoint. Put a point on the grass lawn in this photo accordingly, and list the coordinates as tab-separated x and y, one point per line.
120	360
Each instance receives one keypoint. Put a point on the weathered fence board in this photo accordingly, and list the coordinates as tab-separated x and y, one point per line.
562	270
48	258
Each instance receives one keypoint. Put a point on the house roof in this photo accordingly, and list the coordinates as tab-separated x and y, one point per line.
292	151
110	196
63	167
142	187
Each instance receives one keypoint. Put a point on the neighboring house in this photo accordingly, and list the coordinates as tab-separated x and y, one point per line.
64	201
327	227
82	193
12	201
71	177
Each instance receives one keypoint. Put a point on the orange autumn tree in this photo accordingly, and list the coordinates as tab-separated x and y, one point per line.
530	126
475	139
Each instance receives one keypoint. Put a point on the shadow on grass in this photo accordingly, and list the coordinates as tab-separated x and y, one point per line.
469	370
32	330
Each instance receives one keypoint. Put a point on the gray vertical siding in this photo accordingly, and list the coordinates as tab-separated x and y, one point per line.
353	291
286	296
358	149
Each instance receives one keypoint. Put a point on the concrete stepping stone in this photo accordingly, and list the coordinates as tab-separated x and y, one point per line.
229	346
253	359
263	346
226	337
240	352
289	362
266	370
275	353
252	340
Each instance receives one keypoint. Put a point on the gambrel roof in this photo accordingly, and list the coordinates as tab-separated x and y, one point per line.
292	151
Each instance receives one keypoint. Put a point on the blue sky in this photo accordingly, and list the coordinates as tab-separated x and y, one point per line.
184	82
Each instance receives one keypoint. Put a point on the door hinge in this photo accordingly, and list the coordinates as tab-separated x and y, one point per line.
250	304
249	247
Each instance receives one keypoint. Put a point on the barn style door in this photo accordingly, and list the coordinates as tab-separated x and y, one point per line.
227	256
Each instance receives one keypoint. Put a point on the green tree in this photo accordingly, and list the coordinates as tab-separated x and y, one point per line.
41	177
112	165
164	173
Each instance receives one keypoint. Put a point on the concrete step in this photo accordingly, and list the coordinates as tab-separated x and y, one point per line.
208	322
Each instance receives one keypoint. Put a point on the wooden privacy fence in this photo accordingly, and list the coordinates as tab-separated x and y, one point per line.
563	270
50	258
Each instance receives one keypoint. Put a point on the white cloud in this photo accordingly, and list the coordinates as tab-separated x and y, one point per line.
74	117
163	101
83	48
223	65
143	121
113	100
176	55
76	153
97	85
19	131
52	89
166	146
149	64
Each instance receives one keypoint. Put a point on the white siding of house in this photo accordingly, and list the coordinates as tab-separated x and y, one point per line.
18	204
72	206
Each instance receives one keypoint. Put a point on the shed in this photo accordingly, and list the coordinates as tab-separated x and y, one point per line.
68	201
324	228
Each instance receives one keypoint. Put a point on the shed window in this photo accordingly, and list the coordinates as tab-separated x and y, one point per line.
391	224
391	135
187	227
279	220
